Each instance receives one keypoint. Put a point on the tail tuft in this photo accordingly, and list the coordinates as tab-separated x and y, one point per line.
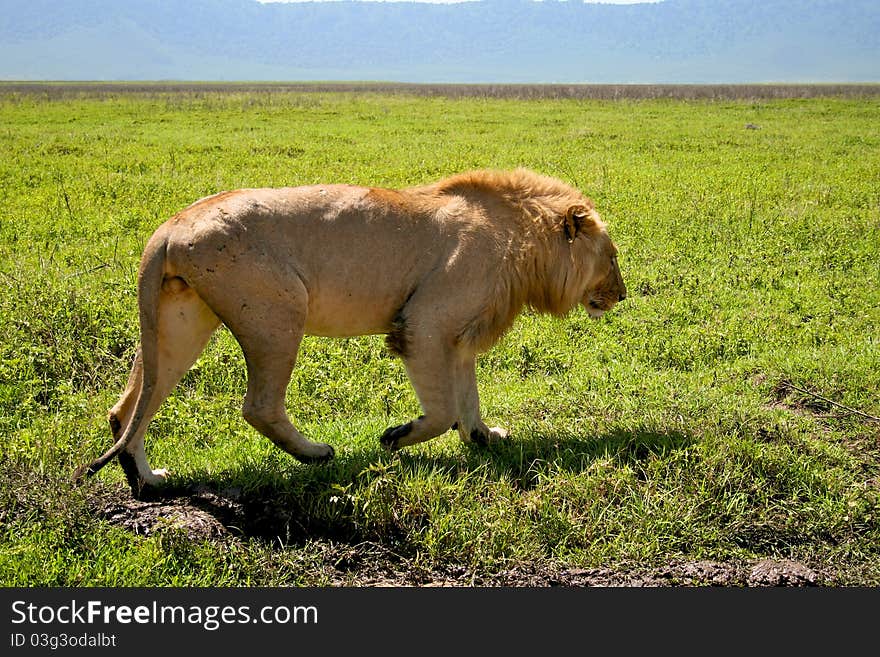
82	473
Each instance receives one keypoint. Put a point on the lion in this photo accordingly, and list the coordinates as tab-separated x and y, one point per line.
442	270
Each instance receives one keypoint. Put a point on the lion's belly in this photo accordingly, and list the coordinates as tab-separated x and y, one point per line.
349	296
344	315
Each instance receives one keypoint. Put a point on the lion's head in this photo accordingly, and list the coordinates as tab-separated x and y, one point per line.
604	286
584	262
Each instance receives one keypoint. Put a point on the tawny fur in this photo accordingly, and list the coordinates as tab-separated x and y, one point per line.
443	269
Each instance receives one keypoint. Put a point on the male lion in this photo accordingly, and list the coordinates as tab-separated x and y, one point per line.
441	269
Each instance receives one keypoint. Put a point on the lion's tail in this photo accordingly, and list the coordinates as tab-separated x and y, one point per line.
150	278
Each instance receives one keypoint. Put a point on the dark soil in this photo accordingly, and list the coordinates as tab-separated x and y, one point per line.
206	515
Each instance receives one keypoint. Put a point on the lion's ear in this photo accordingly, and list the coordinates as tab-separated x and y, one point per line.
575	221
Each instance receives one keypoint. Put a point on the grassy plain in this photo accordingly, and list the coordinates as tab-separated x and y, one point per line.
681	428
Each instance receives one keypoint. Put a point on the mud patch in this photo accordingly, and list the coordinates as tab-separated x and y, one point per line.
765	573
782	573
227	515
203	513
148	517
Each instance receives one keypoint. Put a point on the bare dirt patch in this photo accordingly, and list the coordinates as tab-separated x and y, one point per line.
800	400
203	514
782	573
146	518
783	396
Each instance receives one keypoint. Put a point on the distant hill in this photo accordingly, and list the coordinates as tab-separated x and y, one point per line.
675	41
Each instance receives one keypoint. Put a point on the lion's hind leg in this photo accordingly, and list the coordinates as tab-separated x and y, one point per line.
185	324
269	367
269	332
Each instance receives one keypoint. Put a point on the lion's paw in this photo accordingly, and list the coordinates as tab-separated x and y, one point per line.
486	436
156	479
391	437
149	488
320	453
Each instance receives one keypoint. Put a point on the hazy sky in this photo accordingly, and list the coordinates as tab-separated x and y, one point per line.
613	2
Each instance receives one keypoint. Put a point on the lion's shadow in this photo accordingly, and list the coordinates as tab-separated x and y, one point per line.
292	505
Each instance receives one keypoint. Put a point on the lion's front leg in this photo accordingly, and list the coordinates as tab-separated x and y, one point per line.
470	425
429	366
446	384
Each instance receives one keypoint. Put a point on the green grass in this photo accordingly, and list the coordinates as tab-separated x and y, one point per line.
665	431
